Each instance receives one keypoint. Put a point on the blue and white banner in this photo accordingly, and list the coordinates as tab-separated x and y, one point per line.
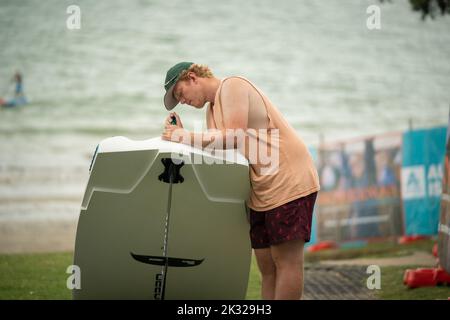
421	179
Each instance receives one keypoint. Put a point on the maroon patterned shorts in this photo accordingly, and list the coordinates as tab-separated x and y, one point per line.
287	222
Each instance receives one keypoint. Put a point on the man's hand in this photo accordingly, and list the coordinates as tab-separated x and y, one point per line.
169	120
175	134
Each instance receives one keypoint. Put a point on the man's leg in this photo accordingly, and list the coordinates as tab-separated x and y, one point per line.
268	272
288	259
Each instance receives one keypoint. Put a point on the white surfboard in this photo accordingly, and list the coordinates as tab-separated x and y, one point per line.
121	230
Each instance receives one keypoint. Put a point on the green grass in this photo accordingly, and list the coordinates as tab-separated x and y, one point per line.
254	282
43	276
392	287
373	250
35	276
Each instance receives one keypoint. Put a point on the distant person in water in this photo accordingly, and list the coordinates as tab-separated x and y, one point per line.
18	92
19	96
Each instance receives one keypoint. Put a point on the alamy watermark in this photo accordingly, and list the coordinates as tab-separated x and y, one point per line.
74	280
73	21
260	147
373	21
374	280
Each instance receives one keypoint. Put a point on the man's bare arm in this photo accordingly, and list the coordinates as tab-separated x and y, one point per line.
235	105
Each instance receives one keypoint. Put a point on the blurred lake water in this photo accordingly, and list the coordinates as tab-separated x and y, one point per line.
317	61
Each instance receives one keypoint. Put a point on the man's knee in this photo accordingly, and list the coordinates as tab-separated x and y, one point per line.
288	254
265	262
268	270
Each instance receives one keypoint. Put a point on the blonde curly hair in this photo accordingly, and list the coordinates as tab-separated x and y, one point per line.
200	70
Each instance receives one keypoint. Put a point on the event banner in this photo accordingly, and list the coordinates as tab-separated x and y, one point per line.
360	189
444	223
313	238
423	155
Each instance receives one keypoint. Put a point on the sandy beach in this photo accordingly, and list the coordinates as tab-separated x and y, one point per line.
37	236
39	206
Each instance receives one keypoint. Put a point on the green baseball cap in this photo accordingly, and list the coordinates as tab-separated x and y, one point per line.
172	77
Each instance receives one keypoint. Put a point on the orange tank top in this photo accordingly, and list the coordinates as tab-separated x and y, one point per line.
293	175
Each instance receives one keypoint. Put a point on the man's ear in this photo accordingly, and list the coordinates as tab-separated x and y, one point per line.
193	77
